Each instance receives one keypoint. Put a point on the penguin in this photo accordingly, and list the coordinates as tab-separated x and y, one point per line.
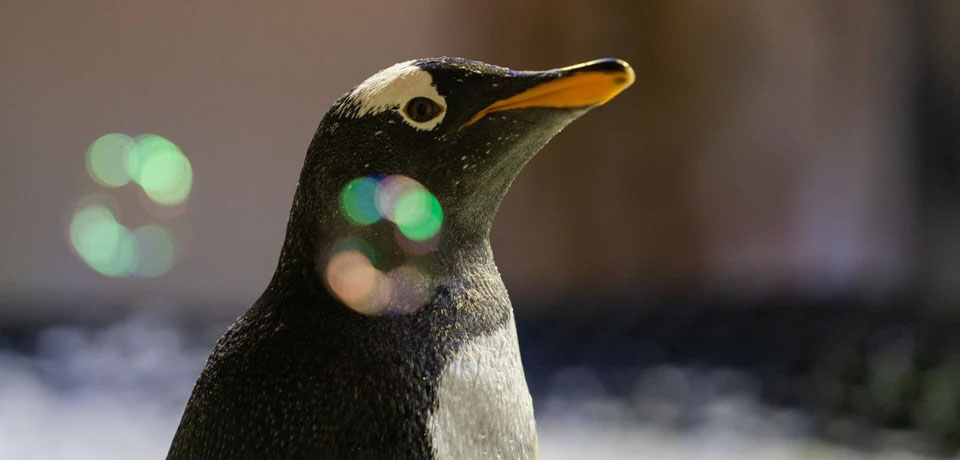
386	331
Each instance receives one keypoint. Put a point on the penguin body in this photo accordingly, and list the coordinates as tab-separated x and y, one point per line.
308	371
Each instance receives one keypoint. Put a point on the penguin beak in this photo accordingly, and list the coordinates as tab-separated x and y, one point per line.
579	86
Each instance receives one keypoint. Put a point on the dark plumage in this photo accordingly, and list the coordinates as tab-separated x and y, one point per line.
301	375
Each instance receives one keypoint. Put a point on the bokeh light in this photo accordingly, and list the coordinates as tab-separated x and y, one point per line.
409	288
165	175
390	190
107	159
353	273
104	244
161	169
151	161
156	251
112	249
357	200
352	276
418	214
355	280
400	199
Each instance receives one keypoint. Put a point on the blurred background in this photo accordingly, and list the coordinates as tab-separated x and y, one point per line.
751	253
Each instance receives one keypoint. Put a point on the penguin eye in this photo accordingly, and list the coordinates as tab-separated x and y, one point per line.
421	109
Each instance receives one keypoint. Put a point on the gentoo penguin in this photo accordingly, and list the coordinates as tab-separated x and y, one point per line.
386	331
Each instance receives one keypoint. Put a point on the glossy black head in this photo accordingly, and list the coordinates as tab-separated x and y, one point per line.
463	129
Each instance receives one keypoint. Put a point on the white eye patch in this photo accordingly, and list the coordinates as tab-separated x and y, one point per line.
391	89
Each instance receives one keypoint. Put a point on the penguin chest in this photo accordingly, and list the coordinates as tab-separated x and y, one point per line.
483	408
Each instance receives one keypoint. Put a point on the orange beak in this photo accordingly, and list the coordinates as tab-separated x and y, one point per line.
583	85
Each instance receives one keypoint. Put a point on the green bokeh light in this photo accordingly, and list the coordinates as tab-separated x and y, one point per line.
161	169
166	176
358	201
156	251
107	158
418	214
104	244
113	250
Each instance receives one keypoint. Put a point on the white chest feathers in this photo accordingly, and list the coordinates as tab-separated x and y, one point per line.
484	410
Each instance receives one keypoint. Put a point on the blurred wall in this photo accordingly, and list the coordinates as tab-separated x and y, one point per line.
765	145
938	175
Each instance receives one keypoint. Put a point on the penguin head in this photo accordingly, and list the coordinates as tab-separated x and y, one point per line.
463	129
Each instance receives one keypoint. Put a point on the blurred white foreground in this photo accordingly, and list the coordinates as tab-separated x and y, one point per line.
117	393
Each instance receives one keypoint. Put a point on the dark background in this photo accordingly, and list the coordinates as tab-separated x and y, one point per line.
753	251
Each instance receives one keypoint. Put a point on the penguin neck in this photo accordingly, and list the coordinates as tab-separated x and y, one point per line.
460	261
